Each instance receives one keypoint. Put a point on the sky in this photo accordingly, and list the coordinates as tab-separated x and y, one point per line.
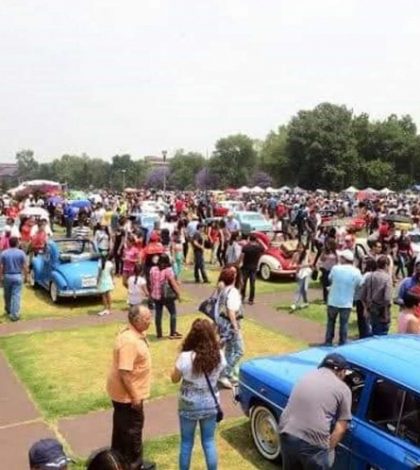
107	77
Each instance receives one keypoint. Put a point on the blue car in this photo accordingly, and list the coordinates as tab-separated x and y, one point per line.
66	268
147	221
385	382
252	222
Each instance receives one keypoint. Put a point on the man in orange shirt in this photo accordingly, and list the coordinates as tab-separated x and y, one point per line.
129	385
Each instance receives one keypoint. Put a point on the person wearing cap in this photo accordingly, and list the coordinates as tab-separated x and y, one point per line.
129	385
344	279
316	417
48	454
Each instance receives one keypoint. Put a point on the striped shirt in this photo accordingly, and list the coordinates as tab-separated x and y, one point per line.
81	232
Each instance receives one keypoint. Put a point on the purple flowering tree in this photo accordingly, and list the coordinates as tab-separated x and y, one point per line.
205	179
261	179
155	178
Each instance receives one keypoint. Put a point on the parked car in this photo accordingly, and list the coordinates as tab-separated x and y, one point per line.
222	208
252	222
147	221
274	260
66	268
383	376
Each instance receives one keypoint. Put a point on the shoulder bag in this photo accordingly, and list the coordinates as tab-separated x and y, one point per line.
220	415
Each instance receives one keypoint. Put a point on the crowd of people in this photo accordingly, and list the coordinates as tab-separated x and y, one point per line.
352	273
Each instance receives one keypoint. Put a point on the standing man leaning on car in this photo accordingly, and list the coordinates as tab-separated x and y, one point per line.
129	385
316	417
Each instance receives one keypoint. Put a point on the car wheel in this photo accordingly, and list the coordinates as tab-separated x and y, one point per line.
54	292
264	428
265	272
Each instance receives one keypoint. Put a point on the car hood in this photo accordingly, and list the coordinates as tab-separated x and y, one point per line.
282	372
75	271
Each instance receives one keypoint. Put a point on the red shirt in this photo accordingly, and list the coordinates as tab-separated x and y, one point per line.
39	240
179	206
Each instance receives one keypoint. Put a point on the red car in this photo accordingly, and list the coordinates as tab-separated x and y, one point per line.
274	260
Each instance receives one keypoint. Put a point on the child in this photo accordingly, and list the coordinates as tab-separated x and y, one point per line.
137	287
177	253
105	283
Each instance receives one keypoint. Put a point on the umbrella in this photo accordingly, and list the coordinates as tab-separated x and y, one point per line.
80	203
34	212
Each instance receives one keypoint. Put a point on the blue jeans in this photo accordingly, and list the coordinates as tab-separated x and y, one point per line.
207	430
170	305
234	350
332	313
12	291
302	290
300	455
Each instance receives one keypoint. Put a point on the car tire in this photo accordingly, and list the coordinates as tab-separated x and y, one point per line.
265	272
54	292
264	429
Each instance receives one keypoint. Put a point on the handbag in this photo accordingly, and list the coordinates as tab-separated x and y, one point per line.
220	414
208	307
168	292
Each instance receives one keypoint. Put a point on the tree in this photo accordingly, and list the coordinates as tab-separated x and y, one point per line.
321	148
183	167
233	160
156	176
262	179
377	173
27	165
205	179
273	157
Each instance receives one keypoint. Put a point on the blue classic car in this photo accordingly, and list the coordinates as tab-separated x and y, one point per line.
252	222
66	268
385	382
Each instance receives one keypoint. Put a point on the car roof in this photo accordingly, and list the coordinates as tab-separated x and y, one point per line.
395	356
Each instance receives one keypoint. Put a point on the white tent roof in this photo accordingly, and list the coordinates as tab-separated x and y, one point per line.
271	190
386	191
351	189
244	189
284	188
370	190
257	189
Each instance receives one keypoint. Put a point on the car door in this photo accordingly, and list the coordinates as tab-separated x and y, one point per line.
44	272
388	435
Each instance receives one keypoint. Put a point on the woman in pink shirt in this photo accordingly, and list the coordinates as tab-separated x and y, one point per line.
164	291
131	257
408	322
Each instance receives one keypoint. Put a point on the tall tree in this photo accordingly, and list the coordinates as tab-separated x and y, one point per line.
183	167
233	160
27	165
273	157
321	147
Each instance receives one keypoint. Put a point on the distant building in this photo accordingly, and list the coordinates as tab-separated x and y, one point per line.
8	172
156	161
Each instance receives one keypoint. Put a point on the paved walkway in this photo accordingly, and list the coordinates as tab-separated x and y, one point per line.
21	423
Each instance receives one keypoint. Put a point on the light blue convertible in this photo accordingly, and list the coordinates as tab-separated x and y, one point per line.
66	268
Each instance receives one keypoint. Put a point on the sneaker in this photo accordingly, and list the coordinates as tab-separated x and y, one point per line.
104	312
225	383
176	335
306	305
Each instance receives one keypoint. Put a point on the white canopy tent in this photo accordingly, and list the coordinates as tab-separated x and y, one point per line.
257	189
386	191
244	190
283	189
351	190
271	190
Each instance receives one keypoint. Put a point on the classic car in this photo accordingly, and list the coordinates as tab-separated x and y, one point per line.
252	222
66	268
383	376
147	221
274	260
222	208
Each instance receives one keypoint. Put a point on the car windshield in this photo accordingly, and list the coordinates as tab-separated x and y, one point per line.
254	217
75	247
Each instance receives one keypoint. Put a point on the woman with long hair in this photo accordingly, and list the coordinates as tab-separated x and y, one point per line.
230	313
164	290
198	367
105	282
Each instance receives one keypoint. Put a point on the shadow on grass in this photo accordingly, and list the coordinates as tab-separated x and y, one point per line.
240	438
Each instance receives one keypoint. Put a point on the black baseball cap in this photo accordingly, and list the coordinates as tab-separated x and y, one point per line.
48	454
334	361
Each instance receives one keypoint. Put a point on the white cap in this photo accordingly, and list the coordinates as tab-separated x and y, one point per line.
347	255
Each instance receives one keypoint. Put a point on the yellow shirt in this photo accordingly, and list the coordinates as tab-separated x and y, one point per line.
131	353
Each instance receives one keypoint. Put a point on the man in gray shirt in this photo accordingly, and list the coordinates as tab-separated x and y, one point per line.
376	296
316	417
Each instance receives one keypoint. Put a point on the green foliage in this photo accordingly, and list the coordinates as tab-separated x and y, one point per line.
183	168
27	165
273	155
234	160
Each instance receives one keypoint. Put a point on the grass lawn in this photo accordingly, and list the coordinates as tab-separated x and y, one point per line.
318	313
234	446
65	371
277	284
